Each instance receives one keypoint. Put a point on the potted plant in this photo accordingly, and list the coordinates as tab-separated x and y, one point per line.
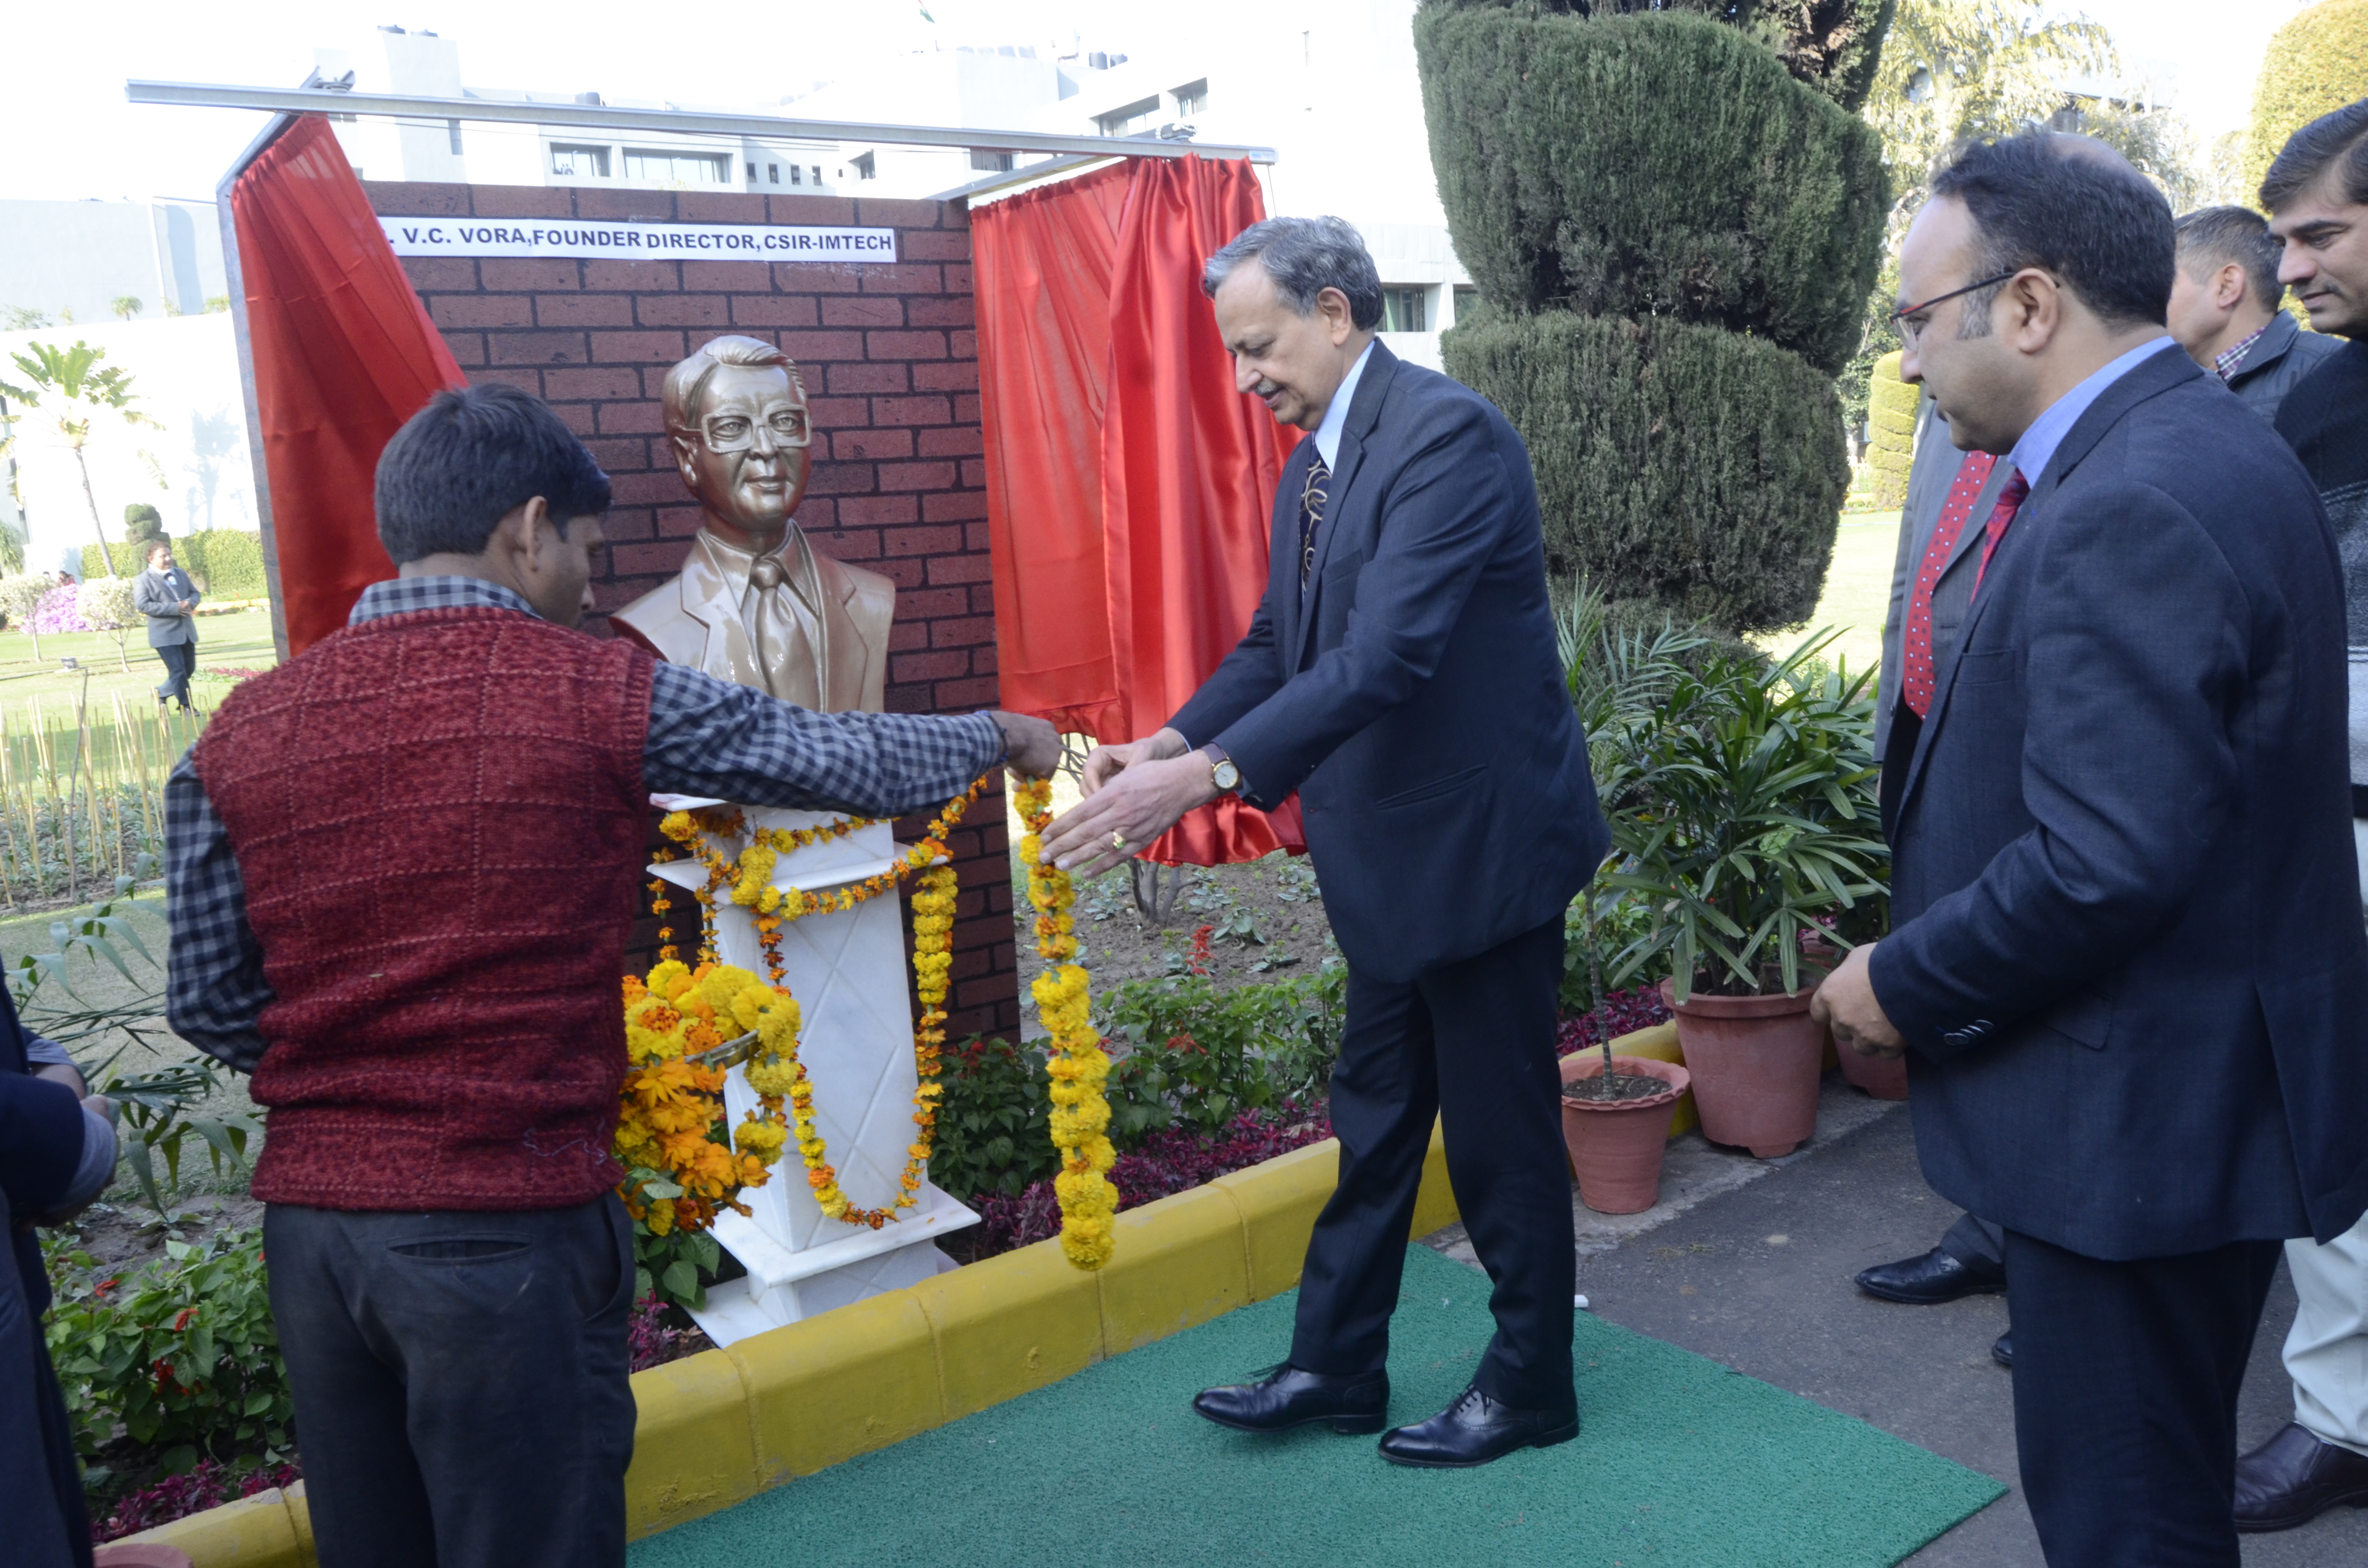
1743	814
1615	1109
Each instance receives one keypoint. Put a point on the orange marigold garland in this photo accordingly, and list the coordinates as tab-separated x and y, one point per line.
774	1070
1078	1068
682	1167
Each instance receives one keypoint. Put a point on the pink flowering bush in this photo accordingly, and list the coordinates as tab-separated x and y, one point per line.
58	611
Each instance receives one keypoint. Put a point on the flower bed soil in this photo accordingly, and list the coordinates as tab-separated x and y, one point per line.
1235	925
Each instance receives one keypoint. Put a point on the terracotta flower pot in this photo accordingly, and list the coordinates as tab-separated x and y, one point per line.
1616	1146
1884	1079
1754	1062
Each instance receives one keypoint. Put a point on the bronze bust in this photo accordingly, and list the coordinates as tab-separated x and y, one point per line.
754	602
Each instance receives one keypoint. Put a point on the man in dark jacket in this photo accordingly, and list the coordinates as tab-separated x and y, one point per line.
1401	675
2127	952
2224	308
166	595
55	1156
2316	192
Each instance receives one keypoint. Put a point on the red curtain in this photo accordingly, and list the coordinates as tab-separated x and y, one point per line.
344	353
1130	486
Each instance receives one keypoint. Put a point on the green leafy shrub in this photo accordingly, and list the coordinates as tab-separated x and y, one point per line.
1743	814
182	1357
994	1120
1835	46
1891	449
1654	166
225	562
1196	1055
1701	469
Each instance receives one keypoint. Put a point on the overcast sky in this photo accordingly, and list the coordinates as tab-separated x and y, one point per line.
73	135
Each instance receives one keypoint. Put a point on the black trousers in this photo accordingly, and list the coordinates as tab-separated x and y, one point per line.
1471	1043
2125	1378
180	663
1973	1240
461	1382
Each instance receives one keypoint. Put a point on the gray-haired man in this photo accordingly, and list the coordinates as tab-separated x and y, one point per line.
1401	675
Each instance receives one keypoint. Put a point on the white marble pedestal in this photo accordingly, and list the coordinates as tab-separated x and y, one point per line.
848	972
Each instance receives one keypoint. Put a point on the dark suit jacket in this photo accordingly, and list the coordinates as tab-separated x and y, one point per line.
2128	951
1931	477
2282	358
1415	701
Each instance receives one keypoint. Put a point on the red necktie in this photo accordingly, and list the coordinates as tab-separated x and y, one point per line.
1916	683
2002	515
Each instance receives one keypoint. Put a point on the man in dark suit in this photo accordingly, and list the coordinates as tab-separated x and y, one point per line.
2127	949
1401	675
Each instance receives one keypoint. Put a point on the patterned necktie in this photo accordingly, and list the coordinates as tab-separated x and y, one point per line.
1917	681
2009	500
1311	516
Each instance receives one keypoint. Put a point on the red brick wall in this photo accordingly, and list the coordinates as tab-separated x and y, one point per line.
898	485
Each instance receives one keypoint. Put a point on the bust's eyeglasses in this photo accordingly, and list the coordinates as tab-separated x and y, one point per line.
736	433
1910	331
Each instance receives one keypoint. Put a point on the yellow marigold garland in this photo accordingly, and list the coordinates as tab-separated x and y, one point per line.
774	1071
670	1125
1078	1068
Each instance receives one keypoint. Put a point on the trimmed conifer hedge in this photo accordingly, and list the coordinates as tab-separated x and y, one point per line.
226	563
1698	468
2316	63
1891	410
1650	166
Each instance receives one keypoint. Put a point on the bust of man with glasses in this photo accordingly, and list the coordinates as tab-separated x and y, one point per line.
753	602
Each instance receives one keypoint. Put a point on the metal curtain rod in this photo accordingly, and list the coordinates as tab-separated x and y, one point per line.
322	100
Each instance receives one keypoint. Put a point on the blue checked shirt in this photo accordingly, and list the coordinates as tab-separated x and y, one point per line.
707	737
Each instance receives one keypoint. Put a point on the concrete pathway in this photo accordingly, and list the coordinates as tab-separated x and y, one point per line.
1749	1263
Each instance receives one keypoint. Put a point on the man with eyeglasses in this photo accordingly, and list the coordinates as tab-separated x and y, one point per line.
755	603
2126	965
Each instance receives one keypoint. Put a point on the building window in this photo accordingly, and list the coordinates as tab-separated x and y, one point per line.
1467	300
453	130
772	174
677	168
865	168
797	176
991	162
817	174
579	163
1192	97
1128	120
752	173
1402	310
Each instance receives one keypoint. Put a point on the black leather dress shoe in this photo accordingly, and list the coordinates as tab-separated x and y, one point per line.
2296	1476
1928	1280
1289	1397
1475	1430
2003	1351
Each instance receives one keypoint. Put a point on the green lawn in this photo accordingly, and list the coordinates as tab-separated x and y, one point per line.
1858	590
238	640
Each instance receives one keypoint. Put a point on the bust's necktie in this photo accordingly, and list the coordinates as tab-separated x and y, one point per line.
1311	516
1916	641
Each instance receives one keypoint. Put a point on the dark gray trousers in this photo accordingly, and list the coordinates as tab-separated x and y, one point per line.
180	660
460	1382
1975	1241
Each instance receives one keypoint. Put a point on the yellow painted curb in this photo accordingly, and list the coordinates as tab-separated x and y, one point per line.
716	1428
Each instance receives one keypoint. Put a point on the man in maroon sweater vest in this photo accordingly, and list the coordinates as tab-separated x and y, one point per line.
402	869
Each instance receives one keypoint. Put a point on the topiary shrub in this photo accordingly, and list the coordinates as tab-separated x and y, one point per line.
143	522
2316	64
1701	469
1891	412
1835	46
1651	165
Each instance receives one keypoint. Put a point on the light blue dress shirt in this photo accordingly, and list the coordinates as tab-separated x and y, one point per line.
2037	448
1336	412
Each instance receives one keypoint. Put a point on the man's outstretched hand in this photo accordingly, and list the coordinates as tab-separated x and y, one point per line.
1133	793
1846	1004
1034	747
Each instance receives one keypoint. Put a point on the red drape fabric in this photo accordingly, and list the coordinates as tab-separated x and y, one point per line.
1130	486
1189	472
1041	263
344	353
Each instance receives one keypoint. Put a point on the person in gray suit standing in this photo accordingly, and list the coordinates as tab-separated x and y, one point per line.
1949	495
166	595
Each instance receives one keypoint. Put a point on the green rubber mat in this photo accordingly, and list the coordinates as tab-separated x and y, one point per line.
1678	1461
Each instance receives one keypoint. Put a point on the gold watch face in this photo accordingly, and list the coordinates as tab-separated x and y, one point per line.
1226	776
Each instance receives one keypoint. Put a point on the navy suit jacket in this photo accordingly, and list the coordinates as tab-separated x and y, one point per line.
2127	948
1415	700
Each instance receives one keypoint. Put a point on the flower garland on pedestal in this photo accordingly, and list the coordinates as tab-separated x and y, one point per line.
1078	1068
774	1071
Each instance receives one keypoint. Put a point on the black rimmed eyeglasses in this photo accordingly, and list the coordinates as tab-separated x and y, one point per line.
1910	331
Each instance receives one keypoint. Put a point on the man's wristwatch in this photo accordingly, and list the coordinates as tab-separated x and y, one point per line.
1222	771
